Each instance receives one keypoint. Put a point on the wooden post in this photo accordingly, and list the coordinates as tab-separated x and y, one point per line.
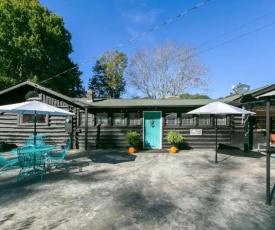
86	128
268	201
216	129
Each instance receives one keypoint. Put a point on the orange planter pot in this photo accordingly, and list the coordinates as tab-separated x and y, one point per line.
173	149
131	150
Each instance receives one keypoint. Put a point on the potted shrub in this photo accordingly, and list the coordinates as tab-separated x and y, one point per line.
174	137
133	139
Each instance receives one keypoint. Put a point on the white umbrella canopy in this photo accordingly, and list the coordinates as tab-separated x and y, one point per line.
34	107
219	108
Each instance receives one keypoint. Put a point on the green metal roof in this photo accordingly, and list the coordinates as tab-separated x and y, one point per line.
134	103
251	92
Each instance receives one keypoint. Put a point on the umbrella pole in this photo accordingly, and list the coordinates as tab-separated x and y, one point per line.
216	128
34	133
34	140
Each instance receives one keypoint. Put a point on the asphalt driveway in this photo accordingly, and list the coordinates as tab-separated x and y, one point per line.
147	190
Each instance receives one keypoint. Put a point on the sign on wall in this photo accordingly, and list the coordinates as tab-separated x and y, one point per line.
195	132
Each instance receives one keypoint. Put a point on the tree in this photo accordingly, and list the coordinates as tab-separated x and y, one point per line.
35	46
194	96
167	69
107	79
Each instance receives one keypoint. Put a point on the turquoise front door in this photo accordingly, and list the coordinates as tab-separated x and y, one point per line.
152	130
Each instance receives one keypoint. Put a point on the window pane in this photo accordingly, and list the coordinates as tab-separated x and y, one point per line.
102	119
261	122
187	119
204	119
134	118
171	118
29	118
221	119
118	119
82	119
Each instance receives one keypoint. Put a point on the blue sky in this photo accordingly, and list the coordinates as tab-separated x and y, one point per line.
99	25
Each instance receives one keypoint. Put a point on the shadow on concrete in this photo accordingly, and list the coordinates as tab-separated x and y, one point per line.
78	154
144	208
109	158
239	152
272	194
6	217
153	151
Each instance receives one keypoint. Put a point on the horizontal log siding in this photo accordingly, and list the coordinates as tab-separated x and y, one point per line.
114	137
111	137
108	137
207	140
13	133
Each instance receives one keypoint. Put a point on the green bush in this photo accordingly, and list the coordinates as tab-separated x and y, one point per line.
174	137
133	139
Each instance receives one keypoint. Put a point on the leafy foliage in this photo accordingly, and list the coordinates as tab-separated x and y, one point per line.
174	137
107	79
133	139
35	46
194	96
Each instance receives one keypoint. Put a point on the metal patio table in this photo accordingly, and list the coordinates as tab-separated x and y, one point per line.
32	160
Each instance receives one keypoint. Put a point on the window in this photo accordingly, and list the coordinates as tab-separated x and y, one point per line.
261	122
187	119
204	119
171	119
134	118
82	119
118	119
102	119
221	120
41	119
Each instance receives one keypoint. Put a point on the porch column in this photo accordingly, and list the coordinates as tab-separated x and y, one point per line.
268	202
86	128
246	132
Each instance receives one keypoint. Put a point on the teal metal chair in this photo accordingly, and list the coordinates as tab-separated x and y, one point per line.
31	160
39	140
56	157
7	164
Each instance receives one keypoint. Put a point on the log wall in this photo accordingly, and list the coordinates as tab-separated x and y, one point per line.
101	137
12	132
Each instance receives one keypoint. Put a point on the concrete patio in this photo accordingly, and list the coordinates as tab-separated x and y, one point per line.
147	190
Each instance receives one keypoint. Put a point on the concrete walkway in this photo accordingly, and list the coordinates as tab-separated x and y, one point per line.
144	191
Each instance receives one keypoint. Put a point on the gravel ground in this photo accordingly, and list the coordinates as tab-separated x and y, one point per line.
147	190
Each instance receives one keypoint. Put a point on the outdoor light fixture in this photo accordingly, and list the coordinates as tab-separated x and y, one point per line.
240	88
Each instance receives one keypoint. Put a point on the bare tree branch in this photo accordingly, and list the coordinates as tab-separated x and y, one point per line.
167	69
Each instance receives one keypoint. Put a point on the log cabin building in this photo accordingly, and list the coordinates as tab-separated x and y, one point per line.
103	123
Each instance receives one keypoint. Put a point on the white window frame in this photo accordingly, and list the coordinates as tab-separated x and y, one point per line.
134	118
187	119
82	119
172	121
221	120
118	119
99	118
204	120
46	118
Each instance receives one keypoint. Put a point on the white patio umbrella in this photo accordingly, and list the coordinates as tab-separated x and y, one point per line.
34	107
219	108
